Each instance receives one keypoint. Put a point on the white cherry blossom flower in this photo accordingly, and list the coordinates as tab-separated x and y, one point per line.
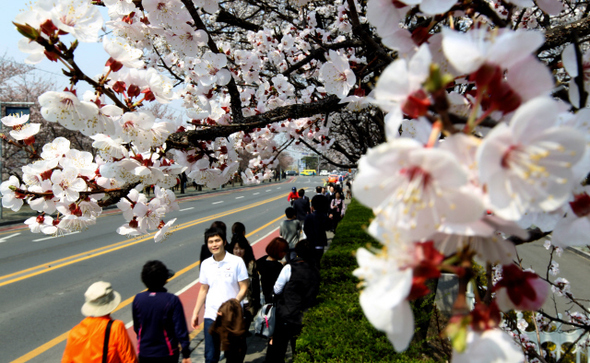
468	51
415	189
130	229
81	161
77	17
570	63
527	165
165	231
72	223
56	149
211	69
485	237
34	18
10	199
45	204
493	346
400	85
336	74
384	298
127	204
123	53
67	185
12	120
41	224
21	128
66	109
119	7
109	147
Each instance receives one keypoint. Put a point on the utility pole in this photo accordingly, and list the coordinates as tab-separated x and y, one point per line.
11	108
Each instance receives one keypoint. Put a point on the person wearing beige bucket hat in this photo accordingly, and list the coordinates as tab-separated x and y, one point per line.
98	338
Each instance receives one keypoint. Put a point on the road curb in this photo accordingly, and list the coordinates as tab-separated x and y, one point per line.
578	251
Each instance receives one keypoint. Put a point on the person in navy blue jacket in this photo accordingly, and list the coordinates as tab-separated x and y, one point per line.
158	319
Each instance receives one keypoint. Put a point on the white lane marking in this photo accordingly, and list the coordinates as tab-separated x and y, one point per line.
182	210
240	197
184	289
255	193
217	202
46	238
268	190
278	188
3	239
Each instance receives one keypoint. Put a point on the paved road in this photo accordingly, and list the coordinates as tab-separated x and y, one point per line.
42	281
573	266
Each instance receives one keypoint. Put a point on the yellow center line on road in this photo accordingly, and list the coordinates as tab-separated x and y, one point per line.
66	261
61	338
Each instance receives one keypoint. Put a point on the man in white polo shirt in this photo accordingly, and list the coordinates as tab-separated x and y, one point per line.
223	277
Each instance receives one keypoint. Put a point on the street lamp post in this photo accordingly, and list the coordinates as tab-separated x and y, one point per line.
11	108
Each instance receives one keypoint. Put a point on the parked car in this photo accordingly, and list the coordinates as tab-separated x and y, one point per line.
324	172
308	172
291	173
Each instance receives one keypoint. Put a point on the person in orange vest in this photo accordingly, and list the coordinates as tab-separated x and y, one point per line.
98	338
293	195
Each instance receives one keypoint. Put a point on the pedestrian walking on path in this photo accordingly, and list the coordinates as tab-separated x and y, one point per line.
290	230
296	290
269	266
158	319
98	338
223	276
240	247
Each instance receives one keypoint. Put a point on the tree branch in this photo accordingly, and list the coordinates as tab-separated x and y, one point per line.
187	139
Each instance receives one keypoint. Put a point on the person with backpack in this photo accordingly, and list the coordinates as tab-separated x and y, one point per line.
98	338
296	289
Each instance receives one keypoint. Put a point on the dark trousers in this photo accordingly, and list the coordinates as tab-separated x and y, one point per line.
284	333
317	256
170	359
212	344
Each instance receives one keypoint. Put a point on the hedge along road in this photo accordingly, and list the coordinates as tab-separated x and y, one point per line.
43	282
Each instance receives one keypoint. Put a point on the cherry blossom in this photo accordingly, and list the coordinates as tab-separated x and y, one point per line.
417	190
10	198
21	128
122	54
164	231
67	185
41	224
211	69
492	345
520	290
336	74
66	109
384	297
400	85
528	163
77	17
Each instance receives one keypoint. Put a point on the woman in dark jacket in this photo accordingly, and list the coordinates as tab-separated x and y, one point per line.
269	266
158	319
240	247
